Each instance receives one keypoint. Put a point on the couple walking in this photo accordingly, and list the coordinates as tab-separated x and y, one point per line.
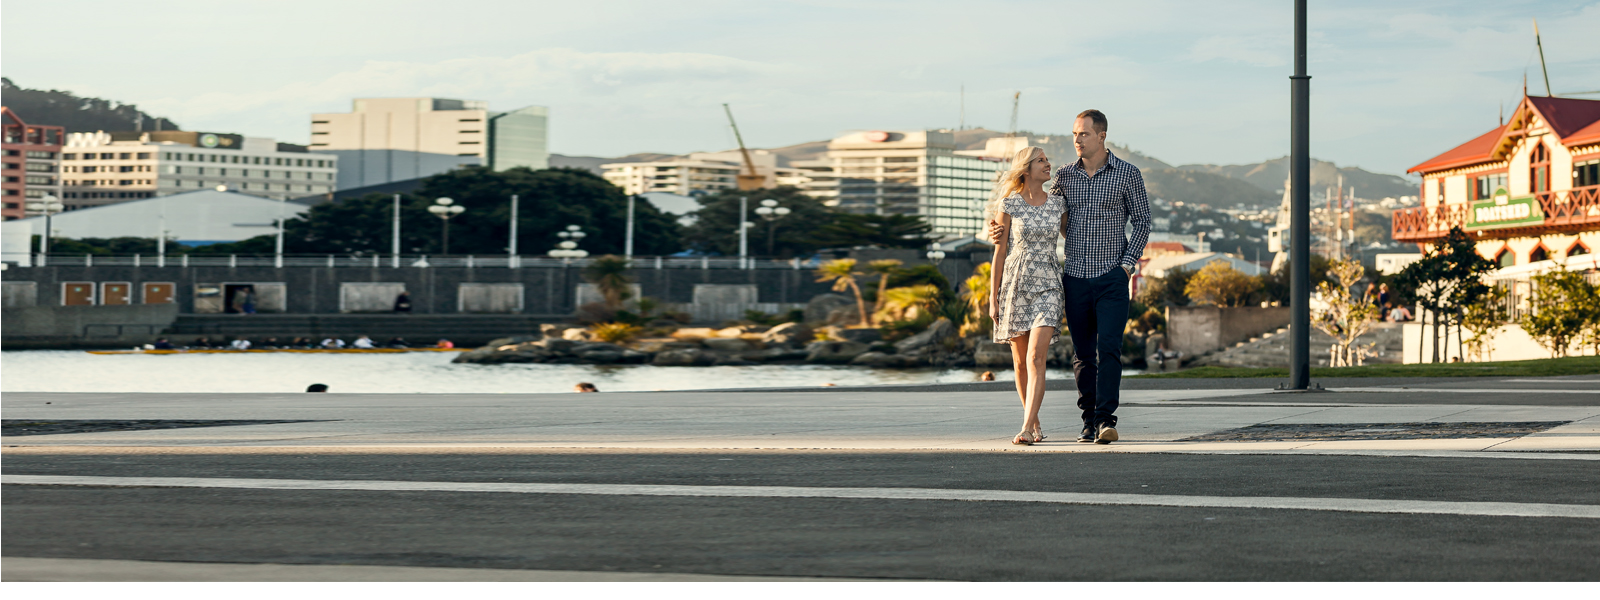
1091	205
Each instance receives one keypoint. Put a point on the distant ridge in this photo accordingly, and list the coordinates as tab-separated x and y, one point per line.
59	107
1270	175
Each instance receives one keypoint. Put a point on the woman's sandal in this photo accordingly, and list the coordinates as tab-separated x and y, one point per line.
1022	439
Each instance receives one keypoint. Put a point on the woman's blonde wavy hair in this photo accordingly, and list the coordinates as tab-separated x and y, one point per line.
1010	182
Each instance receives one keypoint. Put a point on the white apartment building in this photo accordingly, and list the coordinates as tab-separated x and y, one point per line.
904	172
700	173
391	139
107	168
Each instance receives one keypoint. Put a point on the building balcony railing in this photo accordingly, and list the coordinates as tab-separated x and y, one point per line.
1574	209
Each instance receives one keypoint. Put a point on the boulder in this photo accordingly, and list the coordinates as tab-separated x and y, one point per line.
934	335
990	354
777	354
726	345
834	352
600	357
516	339
653	345
848	315
692	357
740	331
823	305
557	345
596	347
787	334
551	330
635	357
694	333
884	360
577	335
863	335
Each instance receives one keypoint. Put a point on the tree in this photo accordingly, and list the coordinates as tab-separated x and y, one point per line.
1448	277
1219	284
716	223
842	272
909	303
1275	286
847	230
550	200
1560	309
883	269
1346	317
1166	290
609	274
1483	319
977	294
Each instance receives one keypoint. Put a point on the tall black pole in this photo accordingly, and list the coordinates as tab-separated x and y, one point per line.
1300	210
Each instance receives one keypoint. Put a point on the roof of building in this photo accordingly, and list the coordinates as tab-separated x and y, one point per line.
1576	121
1194	260
198	216
1167	246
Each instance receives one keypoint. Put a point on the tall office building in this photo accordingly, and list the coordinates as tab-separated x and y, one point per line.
907	173
32	163
392	139
107	168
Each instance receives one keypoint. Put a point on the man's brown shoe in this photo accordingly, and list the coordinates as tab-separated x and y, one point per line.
1107	435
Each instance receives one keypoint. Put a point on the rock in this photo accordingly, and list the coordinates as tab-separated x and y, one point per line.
823	305
848	315
886	361
635	357
557	345
596	347
779	354
934	335
505	353
577	335
834	352
653	345
990	354
787	334
1060	352
694	333
600	357
729	345
691	357
863	335
550	330
516	339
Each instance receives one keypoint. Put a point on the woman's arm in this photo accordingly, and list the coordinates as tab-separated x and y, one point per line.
997	267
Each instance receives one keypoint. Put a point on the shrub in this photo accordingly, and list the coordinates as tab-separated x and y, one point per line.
615	332
1220	284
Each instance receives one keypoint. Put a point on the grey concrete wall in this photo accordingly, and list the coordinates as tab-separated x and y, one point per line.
19	294
76	326
1196	330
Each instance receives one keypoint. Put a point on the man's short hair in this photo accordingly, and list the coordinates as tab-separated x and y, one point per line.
1096	117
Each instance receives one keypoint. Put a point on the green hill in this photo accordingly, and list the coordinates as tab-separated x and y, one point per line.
59	107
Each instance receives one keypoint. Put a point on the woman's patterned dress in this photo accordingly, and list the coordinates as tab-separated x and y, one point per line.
1030	286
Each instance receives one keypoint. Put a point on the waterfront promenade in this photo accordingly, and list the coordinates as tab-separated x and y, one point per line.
1417	479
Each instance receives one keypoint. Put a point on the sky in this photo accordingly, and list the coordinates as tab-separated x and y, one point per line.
1393	82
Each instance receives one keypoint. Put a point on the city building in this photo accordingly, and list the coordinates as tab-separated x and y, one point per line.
103	168
1194	261
390	139
32	163
908	173
700	173
1527	190
193	218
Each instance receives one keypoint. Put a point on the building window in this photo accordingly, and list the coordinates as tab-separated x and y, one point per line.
40	154
1538	254
470	131
1586	174
69	157
1577	249
144	156
1539	170
1506	258
470	120
469	142
1486	185
107	155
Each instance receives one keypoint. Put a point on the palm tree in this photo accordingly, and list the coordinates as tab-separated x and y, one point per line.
977	294
842	272
883	268
908	303
609	274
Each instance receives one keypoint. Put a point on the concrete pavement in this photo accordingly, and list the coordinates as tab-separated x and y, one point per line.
906	484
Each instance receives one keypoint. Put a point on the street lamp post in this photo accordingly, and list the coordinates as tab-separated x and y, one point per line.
511	261
49	205
568	246
935	254
744	230
445	208
627	244
771	212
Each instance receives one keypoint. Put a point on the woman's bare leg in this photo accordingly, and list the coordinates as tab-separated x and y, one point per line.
1019	363
1038	350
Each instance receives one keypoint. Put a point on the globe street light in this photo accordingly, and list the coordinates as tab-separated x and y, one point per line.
771	212
568	247
444	208
49	205
935	254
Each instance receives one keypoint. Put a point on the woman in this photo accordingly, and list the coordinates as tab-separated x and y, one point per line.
1025	297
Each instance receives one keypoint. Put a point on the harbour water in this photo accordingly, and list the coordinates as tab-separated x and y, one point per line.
415	372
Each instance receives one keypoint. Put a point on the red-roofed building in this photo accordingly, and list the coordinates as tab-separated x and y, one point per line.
1529	190
1159	249
32	166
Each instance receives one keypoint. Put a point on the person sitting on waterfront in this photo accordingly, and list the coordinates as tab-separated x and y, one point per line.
240	344
402	303
270	343
163	344
317	388
1399	314
444	344
585	387
397	342
364	343
332	343
200	343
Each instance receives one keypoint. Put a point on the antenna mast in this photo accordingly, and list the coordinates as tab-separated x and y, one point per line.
1546	70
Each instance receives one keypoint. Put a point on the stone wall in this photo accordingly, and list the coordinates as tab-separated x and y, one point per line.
84	326
1196	330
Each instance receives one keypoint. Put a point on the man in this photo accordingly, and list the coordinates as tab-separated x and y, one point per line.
1104	196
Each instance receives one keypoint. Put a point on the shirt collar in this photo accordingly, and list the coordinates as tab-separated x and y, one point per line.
1111	161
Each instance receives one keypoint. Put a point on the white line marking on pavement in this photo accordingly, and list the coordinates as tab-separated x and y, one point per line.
1490	509
1460	390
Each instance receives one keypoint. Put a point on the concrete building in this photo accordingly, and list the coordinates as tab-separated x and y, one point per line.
107	168
700	173
32	163
390	139
1528	190
1194	261
192	218
907	173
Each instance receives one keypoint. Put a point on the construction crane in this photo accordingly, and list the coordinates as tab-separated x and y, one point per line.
1011	134
749	181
